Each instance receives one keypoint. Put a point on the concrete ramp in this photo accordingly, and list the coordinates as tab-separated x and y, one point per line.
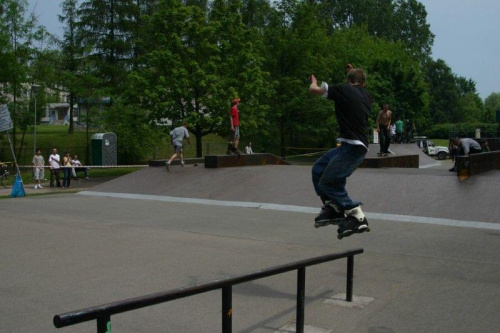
435	193
424	161
225	161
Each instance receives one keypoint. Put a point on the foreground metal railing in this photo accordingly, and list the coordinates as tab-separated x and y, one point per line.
102	313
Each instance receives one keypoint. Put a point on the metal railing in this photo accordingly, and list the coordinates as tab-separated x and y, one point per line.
102	313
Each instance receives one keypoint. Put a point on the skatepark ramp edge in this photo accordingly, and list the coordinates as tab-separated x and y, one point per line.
102	313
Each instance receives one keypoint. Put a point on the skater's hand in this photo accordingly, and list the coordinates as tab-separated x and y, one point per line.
313	79
349	67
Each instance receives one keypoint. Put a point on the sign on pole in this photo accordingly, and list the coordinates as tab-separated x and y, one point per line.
5	120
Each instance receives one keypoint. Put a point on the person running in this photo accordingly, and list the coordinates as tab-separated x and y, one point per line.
329	173
178	134
383	129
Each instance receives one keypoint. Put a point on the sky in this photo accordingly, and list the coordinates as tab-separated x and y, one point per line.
467	35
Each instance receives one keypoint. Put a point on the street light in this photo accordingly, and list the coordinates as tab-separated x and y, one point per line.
34	89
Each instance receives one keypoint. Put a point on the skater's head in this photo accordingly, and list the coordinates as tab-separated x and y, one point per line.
236	101
385	107
185	124
356	77
456	141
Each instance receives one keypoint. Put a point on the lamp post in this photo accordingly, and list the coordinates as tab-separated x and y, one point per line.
34	89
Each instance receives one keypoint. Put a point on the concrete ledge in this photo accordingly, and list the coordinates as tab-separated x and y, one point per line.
225	161
290	328
161	163
478	163
358	302
398	161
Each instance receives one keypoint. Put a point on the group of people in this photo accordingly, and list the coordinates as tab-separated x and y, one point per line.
178	134
329	173
69	165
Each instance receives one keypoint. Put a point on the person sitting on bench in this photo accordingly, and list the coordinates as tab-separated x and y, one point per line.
78	167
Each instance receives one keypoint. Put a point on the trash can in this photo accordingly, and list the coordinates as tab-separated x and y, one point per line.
104	149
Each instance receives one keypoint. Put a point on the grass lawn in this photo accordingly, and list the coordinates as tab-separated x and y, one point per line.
27	175
441	142
50	136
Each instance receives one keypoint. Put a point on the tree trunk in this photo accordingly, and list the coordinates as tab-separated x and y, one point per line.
199	147
71	112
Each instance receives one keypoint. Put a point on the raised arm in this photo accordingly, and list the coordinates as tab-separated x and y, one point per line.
314	88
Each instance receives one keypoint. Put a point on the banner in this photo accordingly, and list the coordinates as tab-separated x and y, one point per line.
5	120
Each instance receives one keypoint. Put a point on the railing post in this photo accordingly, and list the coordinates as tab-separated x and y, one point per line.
301	287
227	309
350	277
104	323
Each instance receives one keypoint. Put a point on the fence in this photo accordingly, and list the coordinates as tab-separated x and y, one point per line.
102	313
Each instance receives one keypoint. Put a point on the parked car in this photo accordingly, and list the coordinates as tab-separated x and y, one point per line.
439	151
431	149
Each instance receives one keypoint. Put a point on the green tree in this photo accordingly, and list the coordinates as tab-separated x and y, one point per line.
492	107
411	28
22	52
71	54
105	28
443	92
296	47
194	67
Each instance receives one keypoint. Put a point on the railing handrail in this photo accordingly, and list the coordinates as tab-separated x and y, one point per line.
92	313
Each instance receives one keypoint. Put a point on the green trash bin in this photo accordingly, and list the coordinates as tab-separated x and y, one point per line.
104	149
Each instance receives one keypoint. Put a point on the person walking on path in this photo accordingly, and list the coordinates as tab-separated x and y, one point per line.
38	168
234	136
55	168
178	134
383	129
329	173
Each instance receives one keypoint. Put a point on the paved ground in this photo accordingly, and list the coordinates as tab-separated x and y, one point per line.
431	262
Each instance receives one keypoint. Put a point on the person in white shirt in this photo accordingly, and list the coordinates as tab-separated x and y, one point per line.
55	168
248	148
79	167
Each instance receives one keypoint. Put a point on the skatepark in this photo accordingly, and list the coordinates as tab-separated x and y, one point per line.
430	263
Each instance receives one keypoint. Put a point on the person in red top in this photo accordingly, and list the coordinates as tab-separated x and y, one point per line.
234	137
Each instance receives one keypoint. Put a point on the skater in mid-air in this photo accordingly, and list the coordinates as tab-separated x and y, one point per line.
329	173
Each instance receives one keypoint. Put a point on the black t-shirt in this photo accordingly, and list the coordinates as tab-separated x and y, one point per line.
352	108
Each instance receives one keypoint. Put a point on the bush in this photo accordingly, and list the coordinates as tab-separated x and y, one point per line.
445	131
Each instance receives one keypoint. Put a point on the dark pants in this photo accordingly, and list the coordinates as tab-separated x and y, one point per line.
82	169
54	175
384	137
461	152
67	177
331	170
